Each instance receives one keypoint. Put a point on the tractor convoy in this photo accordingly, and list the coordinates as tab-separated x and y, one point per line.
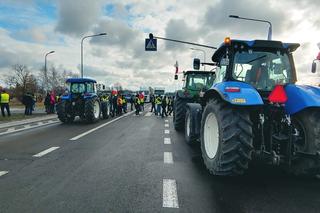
252	110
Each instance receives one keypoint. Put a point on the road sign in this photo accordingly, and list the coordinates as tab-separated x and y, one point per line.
151	44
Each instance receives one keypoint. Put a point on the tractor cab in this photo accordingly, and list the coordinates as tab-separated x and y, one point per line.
196	81
262	64
80	88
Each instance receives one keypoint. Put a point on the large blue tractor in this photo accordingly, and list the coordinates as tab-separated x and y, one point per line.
81	100
255	111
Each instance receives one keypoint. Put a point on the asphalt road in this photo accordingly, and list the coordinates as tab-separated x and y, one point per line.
132	164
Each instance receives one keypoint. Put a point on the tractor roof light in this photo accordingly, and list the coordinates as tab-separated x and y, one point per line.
278	95
227	41
232	89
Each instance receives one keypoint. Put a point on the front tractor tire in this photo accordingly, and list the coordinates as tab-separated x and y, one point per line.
226	139
92	110
307	133
63	116
179	112
189	137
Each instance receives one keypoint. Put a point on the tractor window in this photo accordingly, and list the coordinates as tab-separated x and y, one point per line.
78	88
197	82
90	87
263	70
221	73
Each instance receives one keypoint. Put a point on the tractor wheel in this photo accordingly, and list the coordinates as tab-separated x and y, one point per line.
306	131
105	110
62	114
92	110
226	139
179	112
190	139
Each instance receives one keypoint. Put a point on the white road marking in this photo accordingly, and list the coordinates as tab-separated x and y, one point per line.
148	114
99	127
166	131
26	128
3	173
11	129
46	152
40	123
166	121
170	195
167	141
167	158
166	125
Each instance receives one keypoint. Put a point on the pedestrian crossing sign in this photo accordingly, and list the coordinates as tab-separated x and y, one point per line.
151	44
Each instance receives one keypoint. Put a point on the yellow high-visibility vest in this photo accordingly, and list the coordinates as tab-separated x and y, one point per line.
4	98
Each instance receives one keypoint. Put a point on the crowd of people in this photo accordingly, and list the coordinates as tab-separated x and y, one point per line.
161	105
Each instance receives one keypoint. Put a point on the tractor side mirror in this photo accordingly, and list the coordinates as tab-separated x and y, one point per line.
196	63
314	67
175	77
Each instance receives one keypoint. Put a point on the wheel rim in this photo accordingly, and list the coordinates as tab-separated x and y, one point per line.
96	109
188	125
211	135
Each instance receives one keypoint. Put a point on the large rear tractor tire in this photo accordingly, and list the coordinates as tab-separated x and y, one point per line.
62	113
190	139
179	112
92	110
307	132
226	139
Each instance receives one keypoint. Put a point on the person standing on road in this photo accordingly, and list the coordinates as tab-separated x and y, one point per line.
4	102
52	102
141	97
124	104
119	102
132	102
170	105
153	103
47	103
158	105
114	105
164	107
137	104
27	101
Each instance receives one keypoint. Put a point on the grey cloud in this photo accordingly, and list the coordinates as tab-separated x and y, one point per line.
178	29
118	34
76	17
216	17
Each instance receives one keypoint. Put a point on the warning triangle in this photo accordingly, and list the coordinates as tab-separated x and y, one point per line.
151	45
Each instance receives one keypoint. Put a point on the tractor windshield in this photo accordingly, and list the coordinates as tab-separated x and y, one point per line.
199	81
263	70
82	87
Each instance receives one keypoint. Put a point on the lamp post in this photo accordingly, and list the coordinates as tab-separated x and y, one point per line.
45	69
257	20
204	55
100	34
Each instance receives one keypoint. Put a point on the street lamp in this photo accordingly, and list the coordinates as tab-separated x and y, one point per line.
45	69
204	55
258	20
100	34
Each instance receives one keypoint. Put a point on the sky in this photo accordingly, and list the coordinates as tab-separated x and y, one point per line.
31	28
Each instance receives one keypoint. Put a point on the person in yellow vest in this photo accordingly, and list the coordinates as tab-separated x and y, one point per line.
158	105
4	102
124	104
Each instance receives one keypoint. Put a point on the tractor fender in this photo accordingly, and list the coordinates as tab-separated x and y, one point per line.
90	96
247	96
195	118
301	97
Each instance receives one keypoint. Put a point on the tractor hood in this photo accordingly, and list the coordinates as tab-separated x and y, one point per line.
301	97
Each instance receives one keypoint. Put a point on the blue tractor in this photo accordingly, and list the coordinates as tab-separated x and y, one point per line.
255	111
81	100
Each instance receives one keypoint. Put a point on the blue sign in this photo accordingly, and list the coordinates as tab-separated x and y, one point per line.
151	44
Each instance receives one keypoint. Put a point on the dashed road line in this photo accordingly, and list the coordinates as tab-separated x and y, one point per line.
99	127
166	125
3	173
166	121
170	195
167	141
167	158
26	127
166	131
40	154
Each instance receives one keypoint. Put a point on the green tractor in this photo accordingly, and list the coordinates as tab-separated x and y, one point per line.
82	100
195	84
